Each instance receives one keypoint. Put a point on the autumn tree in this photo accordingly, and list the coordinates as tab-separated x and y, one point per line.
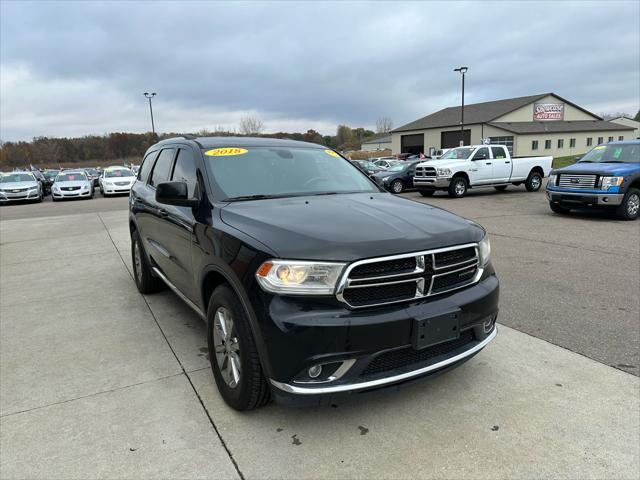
384	125
251	126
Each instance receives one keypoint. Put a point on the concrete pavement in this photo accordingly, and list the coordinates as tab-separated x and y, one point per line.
100	382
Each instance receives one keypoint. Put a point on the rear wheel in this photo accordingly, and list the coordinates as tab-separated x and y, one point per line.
533	182
427	193
558	209
233	354
145	281
630	206
458	187
397	186
501	188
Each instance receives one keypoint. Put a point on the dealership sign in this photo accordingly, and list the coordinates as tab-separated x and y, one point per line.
548	111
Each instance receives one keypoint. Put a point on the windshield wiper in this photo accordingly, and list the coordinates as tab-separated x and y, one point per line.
252	197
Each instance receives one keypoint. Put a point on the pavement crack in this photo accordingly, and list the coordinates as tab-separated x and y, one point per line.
184	371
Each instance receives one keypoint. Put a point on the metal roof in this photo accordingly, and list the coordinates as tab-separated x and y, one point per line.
479	113
382	138
213	142
559	126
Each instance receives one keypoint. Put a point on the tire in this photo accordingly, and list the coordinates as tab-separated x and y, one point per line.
555	208
142	275
249	389
630	206
427	193
533	182
397	186
501	188
458	187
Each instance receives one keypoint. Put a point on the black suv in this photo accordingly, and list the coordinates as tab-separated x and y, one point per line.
315	284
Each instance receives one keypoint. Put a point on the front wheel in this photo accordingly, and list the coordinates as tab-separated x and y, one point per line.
558	209
458	187
630	206
233	354
397	186
534	182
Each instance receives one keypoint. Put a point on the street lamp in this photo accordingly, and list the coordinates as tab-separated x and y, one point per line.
462	70
150	96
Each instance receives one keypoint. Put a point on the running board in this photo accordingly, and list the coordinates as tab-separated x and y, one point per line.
182	296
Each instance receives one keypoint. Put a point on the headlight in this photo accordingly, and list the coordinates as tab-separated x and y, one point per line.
552	179
299	278
384	179
484	250
33	188
609	182
443	172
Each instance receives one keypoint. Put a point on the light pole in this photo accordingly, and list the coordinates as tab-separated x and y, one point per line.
150	96
462	70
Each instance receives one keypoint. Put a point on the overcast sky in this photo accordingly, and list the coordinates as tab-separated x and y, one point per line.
71	69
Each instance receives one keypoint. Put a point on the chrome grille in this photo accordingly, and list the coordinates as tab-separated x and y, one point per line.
410	276
121	184
69	189
425	172
577	181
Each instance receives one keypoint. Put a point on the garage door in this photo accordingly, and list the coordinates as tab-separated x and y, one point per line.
451	138
412	143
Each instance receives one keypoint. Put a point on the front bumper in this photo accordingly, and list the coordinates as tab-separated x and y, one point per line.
370	345
71	194
586	199
432	182
115	189
7	197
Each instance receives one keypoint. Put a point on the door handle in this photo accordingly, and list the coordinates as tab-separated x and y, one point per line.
163	213
507	162
488	163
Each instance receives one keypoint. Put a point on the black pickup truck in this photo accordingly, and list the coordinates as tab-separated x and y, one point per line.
315	284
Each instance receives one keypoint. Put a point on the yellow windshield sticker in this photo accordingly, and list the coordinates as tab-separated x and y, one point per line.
601	147
225	152
332	153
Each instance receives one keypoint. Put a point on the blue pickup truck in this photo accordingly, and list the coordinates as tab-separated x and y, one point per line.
608	176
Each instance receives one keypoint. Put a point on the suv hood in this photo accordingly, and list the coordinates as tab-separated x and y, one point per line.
72	183
600	168
348	227
444	163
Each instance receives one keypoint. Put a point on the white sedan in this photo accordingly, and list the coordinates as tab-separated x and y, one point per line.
116	180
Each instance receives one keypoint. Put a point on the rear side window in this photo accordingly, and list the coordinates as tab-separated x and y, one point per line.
147	164
162	168
185	170
498	152
481	154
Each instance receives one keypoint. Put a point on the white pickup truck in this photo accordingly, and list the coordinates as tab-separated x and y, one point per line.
479	166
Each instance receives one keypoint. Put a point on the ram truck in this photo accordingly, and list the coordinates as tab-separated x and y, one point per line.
607	177
315	284
480	166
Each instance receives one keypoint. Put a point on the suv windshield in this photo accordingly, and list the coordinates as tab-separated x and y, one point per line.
398	167
629	153
71	177
121	172
461	153
262	172
17	177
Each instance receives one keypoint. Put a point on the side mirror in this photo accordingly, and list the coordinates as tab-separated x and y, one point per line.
578	157
175	193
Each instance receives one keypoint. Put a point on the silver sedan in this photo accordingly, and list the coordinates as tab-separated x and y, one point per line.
71	184
18	186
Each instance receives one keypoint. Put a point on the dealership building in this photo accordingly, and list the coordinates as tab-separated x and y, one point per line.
543	124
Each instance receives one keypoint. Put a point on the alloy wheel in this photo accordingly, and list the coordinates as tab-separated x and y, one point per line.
137	260
633	205
460	188
397	186
536	182
227	347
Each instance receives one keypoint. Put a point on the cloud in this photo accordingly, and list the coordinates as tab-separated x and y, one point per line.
78	68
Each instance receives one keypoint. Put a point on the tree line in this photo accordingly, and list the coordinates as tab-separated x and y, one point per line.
121	147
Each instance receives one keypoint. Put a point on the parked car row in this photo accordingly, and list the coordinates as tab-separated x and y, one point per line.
34	185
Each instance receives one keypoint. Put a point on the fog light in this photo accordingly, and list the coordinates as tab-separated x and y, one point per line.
315	371
488	324
605	199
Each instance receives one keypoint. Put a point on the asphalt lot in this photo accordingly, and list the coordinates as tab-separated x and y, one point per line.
101	382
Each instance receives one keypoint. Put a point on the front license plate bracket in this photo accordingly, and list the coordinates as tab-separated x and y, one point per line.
435	329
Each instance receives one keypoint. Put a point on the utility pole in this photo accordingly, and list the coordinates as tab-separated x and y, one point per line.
462	70
150	96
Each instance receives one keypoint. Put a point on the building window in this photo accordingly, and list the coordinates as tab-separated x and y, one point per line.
561	143
547	144
589	141
572	143
610	139
621	138
506	141
534	144
600	140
